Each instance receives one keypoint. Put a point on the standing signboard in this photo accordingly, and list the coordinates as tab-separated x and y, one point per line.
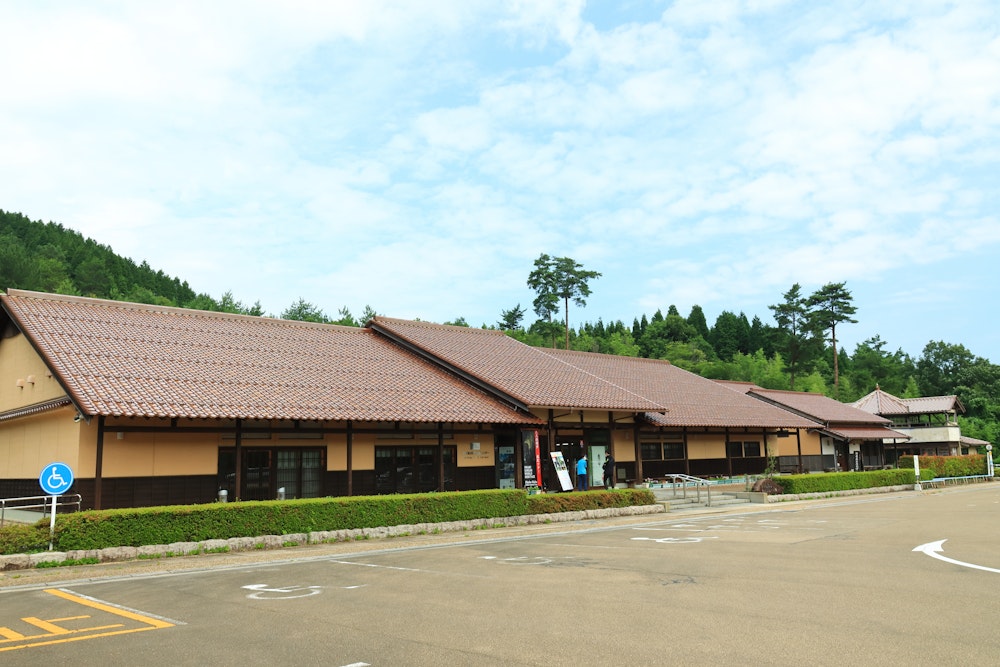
55	479
562	472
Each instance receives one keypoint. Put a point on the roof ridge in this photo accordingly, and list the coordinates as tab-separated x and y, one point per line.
168	310
434	325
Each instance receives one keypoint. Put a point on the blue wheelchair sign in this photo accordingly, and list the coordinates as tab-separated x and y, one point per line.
56	478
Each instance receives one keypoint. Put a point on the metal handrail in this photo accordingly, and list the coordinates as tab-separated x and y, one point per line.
685	481
43	502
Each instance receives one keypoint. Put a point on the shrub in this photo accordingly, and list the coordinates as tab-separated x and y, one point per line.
948	466
550	503
18	539
846	481
98	529
135	527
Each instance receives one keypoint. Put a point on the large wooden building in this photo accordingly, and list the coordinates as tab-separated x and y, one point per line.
152	405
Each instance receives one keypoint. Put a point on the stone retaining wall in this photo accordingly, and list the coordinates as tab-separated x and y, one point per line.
27	561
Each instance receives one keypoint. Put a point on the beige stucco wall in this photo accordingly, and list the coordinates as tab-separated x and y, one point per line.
790	447
708	445
160	454
30	443
475	450
18	361
623	444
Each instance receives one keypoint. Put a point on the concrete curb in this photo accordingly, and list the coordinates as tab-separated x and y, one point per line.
268	542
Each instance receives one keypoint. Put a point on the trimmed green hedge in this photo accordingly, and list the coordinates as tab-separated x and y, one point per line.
948	466
847	481
98	529
18	539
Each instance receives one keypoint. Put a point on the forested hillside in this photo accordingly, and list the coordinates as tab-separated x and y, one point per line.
48	257
795	352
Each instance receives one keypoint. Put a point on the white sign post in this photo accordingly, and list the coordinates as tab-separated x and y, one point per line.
55	479
916	473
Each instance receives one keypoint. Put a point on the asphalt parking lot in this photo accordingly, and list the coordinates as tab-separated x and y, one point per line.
874	580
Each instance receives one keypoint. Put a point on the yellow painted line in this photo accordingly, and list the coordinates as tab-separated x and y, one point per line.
48	626
59	631
111	609
150	623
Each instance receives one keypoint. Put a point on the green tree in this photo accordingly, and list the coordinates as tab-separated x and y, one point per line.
304	311
795	340
698	321
511	319
345	319
731	334
941	366
92	277
558	279
872	366
830	305
17	270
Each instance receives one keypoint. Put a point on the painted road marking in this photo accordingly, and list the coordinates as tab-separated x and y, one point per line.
934	549
262	592
55	630
675	540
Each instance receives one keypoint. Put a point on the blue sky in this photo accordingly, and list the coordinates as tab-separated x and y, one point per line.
418	156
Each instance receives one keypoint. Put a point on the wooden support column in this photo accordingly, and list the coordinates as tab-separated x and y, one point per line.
440	456
687	451
350	458
638	453
729	460
238	476
798	444
99	465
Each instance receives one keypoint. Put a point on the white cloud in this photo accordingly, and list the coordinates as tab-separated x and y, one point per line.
418	157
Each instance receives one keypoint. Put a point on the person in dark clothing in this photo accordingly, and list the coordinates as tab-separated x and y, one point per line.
609	472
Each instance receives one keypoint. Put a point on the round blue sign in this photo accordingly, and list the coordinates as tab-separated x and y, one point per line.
56	478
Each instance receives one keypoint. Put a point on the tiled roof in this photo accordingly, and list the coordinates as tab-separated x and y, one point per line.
691	399
973	442
149	361
531	375
819	407
35	409
548	377
866	433
934	404
881	402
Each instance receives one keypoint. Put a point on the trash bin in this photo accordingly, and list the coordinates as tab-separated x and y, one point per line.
281	493
223	495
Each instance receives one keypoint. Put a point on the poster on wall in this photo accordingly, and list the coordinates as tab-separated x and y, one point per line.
559	463
530	456
505	466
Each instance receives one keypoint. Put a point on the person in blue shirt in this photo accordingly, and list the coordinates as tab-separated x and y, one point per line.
581	473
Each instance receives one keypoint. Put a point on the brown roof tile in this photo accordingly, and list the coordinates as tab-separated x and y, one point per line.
549	377
691	400
819	407
137	360
865	433
533	376
881	402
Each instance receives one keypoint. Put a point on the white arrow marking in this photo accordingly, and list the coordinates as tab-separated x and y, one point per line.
934	549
